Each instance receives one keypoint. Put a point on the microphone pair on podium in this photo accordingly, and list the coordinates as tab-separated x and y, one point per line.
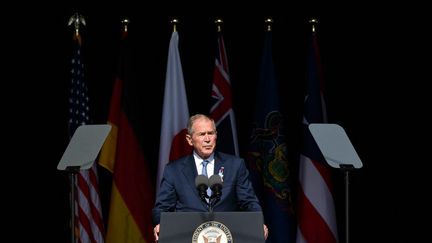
202	183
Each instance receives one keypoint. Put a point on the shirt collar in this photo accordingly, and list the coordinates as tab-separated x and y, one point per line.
198	159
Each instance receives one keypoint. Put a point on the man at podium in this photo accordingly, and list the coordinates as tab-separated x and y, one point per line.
178	190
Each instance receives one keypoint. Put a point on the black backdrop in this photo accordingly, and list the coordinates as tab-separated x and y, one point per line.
373	84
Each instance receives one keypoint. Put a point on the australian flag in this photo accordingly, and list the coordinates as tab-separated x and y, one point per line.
221	110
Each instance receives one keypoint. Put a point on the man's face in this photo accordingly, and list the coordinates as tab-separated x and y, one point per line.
203	138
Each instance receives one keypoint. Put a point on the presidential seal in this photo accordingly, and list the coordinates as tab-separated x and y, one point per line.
212	232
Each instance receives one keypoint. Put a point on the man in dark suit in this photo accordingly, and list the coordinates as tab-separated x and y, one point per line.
177	190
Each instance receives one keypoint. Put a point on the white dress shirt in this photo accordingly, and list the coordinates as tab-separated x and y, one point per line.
199	164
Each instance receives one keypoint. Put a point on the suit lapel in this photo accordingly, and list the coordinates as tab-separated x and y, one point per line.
189	171
219	163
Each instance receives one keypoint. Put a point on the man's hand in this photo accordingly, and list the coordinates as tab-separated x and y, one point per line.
265	232
156	232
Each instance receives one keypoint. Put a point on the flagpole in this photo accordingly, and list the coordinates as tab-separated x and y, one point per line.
269	22
125	23
174	22
218	23
76	19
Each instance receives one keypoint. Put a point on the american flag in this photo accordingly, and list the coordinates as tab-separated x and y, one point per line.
89	225
221	110
316	212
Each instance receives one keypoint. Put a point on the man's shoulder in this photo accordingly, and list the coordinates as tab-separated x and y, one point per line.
225	156
180	161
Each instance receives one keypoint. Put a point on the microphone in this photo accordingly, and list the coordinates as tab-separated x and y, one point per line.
215	183
201	183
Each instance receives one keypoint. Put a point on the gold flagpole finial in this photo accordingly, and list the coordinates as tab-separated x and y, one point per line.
314	23
174	22
269	22
125	23
218	23
77	19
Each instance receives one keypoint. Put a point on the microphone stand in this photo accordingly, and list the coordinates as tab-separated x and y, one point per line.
211	204
205	199
212	201
215	182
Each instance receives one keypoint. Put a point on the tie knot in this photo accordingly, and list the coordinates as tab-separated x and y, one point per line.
205	162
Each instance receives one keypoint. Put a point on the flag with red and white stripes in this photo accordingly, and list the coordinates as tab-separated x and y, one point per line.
175	114
89	226
221	110
316	209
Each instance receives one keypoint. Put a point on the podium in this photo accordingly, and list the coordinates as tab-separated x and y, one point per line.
214	227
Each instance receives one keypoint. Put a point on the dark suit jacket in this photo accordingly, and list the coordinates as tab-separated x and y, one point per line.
178	192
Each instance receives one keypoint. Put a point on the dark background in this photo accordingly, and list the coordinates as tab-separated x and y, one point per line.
374	60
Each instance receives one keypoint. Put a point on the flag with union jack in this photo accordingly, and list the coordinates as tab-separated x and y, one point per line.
221	110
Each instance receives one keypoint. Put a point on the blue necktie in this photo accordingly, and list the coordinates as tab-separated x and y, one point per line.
204	172
204	168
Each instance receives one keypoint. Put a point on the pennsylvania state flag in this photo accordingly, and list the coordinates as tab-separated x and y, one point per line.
267	155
